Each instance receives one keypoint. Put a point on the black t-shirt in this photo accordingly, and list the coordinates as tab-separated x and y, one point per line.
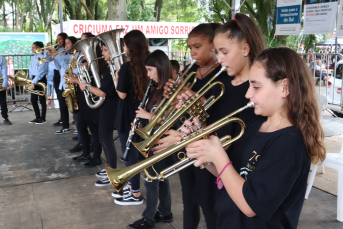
204	190
107	111
85	112
232	99
275	166
126	107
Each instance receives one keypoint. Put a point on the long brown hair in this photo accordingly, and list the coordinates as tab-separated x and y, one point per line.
138	48
244	28
160	61
301	105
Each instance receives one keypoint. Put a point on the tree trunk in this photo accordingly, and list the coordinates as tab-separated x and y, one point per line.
50	17
17	14
69	10
12	15
33	2
87	10
44	15
158	7
23	17
117	10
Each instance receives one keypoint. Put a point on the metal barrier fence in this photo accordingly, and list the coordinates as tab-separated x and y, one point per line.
327	75
183	57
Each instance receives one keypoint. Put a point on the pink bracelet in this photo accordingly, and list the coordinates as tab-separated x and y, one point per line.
219	180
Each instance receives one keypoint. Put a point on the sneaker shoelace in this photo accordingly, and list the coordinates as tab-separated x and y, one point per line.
104	180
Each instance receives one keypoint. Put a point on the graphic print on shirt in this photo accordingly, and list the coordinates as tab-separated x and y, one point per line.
244	171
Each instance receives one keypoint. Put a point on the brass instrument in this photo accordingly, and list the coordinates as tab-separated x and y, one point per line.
70	93
22	80
193	107
88	48
39	49
9	87
119	177
112	41
175	89
42	60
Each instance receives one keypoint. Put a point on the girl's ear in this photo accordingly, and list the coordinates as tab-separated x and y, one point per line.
246	49
213	47
285	88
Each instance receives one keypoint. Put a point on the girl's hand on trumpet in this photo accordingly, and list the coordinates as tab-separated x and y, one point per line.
172	137
206	150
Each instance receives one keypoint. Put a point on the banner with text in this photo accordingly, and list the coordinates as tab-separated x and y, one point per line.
288	17
319	17
150	29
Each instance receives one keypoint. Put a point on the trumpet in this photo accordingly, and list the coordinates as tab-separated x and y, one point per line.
39	49
22	80
42	60
10	85
119	177
175	89
192	106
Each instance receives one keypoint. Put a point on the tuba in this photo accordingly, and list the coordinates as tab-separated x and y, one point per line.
112	41
70	93
88	48
20	79
119	177
11	85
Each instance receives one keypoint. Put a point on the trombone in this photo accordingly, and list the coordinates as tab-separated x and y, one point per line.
119	177
22	80
39	49
42	60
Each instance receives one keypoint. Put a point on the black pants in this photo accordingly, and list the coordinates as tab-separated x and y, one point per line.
56	81
191	210
63	110
3	104
42	100
157	190
86	141
133	159
76	119
106	140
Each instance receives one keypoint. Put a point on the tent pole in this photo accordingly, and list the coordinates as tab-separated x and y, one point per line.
335	44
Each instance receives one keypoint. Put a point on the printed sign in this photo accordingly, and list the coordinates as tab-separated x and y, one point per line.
288	17
319	17
150	29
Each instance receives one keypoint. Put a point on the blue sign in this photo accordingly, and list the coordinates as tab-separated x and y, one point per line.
288	14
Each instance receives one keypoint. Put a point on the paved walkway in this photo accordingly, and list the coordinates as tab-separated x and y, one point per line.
41	187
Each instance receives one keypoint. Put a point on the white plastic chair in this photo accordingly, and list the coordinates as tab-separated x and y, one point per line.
335	161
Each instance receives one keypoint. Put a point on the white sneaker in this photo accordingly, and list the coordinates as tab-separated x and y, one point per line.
101	174
63	131
129	200
126	192
103	182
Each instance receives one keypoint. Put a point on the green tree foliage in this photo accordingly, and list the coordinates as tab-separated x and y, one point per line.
137	10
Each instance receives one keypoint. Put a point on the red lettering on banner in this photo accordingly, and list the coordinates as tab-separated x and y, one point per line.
127	29
186	30
166	30
140	27
110	28
177	30
104	28
89	30
181	29
153	29
94	27
81	28
98	27
147	30
160	30
172	30
75	31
